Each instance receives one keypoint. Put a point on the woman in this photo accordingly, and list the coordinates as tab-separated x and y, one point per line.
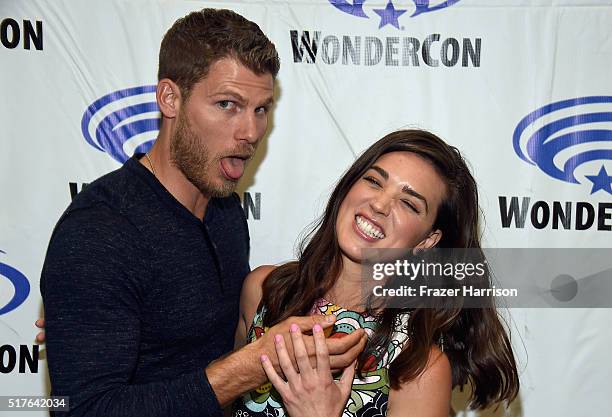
408	190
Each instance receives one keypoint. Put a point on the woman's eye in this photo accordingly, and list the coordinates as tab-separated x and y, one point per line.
372	181
410	206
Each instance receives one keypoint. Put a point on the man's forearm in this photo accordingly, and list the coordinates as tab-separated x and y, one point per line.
237	373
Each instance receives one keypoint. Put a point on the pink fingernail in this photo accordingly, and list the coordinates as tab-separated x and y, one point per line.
294	328
263	358
278	338
317	328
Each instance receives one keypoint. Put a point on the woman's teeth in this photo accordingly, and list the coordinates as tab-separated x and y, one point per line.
368	228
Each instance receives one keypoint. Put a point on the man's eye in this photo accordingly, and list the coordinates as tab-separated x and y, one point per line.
225	104
261	110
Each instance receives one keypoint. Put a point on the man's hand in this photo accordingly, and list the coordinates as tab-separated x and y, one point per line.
311	391
342	351
40	337
245	367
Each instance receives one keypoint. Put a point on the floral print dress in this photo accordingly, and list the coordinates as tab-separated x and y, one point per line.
369	396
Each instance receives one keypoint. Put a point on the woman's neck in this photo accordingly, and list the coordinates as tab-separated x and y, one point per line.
348	290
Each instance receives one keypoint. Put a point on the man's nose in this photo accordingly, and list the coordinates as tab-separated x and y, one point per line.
250	128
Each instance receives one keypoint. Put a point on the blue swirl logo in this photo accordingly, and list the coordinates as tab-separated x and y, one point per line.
562	136
19	282
123	122
390	15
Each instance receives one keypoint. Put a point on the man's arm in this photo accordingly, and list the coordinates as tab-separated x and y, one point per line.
92	310
244	365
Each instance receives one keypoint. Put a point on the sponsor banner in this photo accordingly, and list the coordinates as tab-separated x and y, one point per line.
26	34
523	90
18	286
569	141
123	122
19	359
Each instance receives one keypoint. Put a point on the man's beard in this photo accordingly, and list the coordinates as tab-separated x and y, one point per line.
193	159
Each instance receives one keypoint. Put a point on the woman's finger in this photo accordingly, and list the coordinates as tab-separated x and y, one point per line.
322	354
283	358
275	379
299	350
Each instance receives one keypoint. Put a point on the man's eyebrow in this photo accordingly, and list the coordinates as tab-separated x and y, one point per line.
268	102
230	93
238	97
405	189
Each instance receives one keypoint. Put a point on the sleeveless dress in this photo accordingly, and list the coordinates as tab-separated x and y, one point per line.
369	396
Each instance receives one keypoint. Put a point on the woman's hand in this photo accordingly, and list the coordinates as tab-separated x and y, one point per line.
308	392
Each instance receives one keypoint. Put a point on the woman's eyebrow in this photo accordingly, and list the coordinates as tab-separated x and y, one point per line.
381	171
409	190
405	189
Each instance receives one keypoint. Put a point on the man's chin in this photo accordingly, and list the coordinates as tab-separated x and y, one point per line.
225	189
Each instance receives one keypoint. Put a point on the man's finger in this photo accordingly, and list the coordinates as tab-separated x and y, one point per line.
40	337
343	360
346	380
340	345
306	323
321	351
40	323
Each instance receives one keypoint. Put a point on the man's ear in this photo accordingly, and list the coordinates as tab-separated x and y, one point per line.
168	97
431	240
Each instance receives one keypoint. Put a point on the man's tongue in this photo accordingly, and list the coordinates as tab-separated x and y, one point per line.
232	167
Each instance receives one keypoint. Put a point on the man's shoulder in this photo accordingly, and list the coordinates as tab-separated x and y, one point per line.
109	190
97	212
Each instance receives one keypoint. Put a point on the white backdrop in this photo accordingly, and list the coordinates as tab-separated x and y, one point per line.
514	57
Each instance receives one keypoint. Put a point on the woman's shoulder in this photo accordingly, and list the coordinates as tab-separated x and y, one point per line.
251	287
429	393
252	291
257	276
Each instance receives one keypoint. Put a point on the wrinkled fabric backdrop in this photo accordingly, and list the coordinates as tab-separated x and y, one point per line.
523	88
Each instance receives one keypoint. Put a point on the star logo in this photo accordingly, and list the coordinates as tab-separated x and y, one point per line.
389	15
558	144
601	181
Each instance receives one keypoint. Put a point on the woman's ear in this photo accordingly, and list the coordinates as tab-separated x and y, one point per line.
431	240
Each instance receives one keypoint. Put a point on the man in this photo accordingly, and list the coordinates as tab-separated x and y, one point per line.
143	273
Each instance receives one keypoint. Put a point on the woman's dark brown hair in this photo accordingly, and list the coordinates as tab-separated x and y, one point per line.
475	340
